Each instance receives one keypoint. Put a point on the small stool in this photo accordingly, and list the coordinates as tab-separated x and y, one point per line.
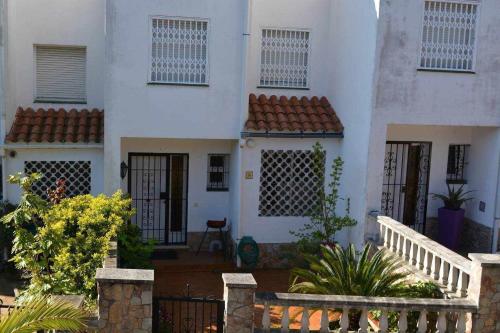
215	224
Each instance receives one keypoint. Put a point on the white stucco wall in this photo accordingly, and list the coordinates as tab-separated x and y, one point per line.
265	229
353	27
52	22
16	164
202	204
408	96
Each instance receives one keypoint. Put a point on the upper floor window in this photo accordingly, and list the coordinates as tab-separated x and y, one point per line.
449	35
179	51
284	59
458	160
61	74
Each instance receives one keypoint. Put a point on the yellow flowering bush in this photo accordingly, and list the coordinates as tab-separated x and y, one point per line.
60	246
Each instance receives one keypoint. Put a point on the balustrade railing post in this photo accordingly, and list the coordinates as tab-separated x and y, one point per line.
239	297
484	290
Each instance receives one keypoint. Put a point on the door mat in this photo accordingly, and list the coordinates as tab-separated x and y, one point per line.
164	255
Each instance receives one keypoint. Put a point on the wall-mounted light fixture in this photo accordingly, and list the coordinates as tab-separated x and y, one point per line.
123	169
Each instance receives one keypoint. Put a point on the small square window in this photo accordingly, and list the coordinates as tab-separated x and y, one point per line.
449	35
284	60
179	51
61	74
218	173
458	161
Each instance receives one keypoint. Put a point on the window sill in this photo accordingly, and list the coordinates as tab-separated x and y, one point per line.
178	84
276	87
451	71
58	101
217	189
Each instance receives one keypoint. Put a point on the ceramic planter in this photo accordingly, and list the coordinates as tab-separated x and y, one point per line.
451	223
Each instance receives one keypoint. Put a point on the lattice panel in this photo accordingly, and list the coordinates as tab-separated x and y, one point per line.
179	51
76	174
284	58
449	35
288	183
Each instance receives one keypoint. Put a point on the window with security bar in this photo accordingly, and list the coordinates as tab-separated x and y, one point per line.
179	51
218	172
284	60
449	35
289	183
77	176
458	161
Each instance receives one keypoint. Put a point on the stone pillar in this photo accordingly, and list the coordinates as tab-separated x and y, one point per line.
239	296
125	302
484	289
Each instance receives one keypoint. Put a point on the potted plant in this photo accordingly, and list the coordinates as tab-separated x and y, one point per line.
451	216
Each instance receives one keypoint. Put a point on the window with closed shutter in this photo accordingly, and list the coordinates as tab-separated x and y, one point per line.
60	74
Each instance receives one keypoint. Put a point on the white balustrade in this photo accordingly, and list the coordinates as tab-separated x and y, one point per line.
434	260
451	314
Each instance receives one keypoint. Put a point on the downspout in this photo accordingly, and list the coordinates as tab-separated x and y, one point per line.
244	93
496	214
3	79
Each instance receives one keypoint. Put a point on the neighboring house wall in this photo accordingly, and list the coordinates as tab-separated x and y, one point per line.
17	164
54	22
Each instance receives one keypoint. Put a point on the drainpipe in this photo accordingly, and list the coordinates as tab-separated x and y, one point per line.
496	215
247	23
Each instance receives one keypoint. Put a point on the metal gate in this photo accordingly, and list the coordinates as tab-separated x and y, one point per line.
406	182
187	315
158	186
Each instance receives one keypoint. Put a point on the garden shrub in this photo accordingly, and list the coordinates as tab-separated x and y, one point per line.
60	246
133	253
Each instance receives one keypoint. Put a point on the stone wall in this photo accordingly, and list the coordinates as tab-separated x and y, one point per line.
476	238
277	255
125	300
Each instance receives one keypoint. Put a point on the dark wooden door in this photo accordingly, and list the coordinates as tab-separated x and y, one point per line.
411	188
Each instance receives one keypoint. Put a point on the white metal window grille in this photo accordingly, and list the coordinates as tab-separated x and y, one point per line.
179	51
288	183
76	173
61	74
449	35
218	172
284	58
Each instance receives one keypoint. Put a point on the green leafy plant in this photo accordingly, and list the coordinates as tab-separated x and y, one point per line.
133	252
6	231
341	271
455	197
60	246
325	222
44	313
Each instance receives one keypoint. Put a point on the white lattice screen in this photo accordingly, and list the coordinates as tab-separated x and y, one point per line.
449	35
284	58
288	183
179	51
76	174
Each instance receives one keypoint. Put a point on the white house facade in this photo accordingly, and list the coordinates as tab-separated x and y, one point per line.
209	110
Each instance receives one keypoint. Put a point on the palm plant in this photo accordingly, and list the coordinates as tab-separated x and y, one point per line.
43	313
341	271
455	198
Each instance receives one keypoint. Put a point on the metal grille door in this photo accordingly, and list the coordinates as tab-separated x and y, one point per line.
158	187
406	182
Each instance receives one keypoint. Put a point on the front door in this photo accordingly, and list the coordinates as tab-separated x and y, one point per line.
157	184
406	179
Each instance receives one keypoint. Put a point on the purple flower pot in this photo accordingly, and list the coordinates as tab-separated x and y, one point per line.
451	223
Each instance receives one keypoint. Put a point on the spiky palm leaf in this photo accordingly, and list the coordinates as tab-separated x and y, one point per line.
455	197
343	272
43	313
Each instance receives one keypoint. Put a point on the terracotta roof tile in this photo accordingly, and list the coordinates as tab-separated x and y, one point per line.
58	126
291	114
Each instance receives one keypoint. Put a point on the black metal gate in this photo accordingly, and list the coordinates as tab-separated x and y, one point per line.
158	186
173	314
406	182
